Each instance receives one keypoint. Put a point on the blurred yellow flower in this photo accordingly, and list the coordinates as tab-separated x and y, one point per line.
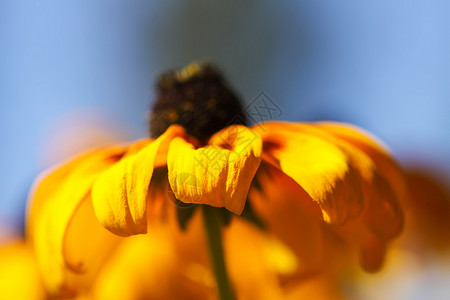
313	186
169	264
19	275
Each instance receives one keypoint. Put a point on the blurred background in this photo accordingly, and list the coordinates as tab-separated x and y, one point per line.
81	73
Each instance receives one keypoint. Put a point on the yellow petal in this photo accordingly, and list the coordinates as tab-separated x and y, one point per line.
317	164
88	244
119	195
54	201
374	148
19	276
218	174
334	165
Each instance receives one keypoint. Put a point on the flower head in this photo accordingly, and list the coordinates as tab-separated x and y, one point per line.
311	185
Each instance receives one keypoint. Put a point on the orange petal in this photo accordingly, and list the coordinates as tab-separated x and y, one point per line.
291	216
119	195
54	201
320	287
383	214
372	254
218	174
428	210
320	166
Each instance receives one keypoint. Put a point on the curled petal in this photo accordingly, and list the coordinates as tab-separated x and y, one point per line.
383	214
218	174
383	183
317	164
54	201
372	253
119	195
348	174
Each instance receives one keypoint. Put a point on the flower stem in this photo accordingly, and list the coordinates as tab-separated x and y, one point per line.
214	238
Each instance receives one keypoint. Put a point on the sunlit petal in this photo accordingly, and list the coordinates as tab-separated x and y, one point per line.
383	182
119	195
374	148
318	165
218	174
334	170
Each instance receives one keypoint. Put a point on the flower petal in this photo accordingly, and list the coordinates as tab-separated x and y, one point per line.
372	253
376	179
384	186
218	174
150	267
19	276
374	148
428	210
317	164
289	214
253	261
119	195
54	201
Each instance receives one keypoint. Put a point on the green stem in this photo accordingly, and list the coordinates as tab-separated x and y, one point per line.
214	238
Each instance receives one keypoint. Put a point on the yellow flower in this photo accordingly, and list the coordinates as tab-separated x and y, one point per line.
312	185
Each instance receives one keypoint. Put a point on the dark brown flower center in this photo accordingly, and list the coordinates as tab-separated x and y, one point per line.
197	98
